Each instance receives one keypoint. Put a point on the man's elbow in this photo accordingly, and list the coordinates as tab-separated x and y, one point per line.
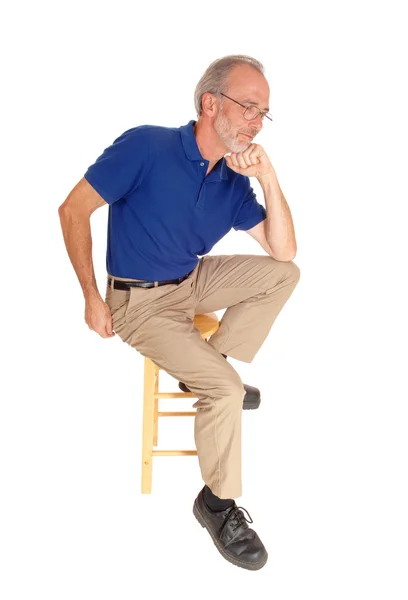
284	256
284	259
63	207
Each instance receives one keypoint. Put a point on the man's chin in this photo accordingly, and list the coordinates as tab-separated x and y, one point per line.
239	146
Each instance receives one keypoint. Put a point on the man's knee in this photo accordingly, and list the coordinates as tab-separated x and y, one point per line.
227	384
294	271
236	390
225	389
289	270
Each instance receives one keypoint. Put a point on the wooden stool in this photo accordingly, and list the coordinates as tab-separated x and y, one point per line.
207	324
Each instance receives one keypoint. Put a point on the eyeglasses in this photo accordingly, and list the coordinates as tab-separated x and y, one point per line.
251	112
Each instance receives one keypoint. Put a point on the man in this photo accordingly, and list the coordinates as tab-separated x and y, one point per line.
172	194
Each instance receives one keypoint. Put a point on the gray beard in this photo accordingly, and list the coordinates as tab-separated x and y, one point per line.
223	128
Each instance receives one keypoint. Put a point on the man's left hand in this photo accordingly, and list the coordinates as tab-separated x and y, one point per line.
252	162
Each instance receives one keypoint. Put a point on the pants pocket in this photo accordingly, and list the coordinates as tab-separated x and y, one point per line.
117	301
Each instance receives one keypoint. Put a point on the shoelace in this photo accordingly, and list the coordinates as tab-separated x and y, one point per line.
236	515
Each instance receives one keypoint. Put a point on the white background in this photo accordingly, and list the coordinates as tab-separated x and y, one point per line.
325	456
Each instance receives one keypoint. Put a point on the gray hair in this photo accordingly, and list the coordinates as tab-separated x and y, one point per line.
215	78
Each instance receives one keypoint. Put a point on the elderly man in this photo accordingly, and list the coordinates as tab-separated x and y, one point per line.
172	194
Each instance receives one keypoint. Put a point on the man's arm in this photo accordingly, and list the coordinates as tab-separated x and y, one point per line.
278	230
259	234
74	214
277	236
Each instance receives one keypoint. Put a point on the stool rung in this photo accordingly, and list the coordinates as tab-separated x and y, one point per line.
174	395
174	453
184	413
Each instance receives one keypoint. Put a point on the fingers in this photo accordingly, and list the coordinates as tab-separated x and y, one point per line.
245	159
104	329
228	161
104	332
238	160
242	162
108	328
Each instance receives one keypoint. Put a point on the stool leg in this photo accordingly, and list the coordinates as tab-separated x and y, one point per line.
156	411
148	425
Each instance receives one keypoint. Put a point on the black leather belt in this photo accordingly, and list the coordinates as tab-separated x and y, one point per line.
125	285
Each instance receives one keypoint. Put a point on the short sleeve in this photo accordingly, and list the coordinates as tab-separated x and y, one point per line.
251	212
119	170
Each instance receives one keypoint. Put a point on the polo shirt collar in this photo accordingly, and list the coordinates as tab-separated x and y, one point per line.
189	142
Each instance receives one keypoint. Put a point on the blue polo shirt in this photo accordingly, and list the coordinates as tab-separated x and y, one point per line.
164	211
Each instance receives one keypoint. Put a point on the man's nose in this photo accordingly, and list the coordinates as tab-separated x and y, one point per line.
257	122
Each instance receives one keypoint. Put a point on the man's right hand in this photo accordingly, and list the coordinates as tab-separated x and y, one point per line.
98	316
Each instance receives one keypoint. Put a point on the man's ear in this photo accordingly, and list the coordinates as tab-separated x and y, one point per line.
209	103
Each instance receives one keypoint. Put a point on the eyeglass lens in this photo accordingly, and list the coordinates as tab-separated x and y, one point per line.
251	113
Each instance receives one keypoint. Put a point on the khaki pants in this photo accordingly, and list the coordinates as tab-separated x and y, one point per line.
158	323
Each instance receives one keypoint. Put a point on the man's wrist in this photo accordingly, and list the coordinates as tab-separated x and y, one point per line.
270	176
268	180
91	293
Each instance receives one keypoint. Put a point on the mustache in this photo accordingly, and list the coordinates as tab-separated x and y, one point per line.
253	133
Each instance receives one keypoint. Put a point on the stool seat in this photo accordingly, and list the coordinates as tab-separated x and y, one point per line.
207	324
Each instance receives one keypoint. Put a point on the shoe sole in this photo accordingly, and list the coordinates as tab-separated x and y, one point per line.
245	405
234	561
252	406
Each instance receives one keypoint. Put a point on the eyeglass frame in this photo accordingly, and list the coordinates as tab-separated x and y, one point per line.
260	112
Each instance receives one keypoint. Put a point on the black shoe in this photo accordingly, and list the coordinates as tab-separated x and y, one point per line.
252	398
238	543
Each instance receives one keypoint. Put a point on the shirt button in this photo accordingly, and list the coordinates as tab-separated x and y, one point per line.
201	164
